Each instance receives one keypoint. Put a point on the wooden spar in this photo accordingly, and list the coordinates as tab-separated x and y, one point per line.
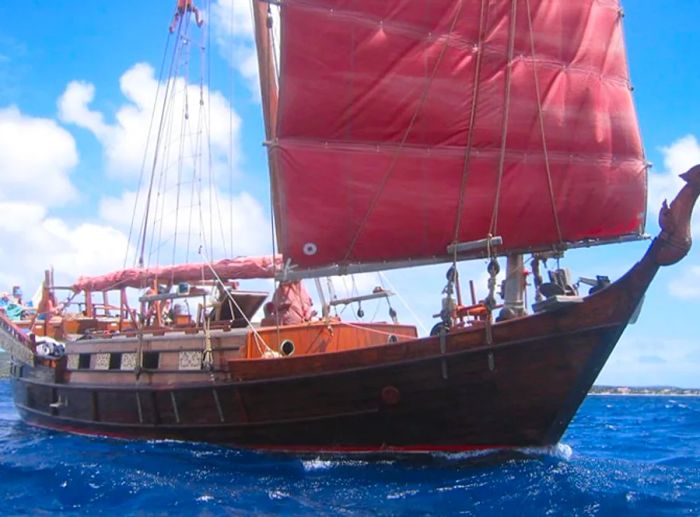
269	92
291	273
266	65
361	298
89	311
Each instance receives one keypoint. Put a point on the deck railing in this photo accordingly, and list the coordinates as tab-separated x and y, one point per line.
14	341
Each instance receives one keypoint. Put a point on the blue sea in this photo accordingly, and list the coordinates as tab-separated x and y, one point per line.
620	456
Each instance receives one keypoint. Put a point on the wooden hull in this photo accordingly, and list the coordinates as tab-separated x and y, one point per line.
515	384
520	403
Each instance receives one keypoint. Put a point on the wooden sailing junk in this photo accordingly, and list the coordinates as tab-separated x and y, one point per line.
402	133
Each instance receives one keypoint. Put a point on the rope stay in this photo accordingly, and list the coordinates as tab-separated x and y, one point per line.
169	84
145	153
176	149
506	113
472	122
540	114
259	340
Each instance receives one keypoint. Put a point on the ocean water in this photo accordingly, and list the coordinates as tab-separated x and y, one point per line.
620	456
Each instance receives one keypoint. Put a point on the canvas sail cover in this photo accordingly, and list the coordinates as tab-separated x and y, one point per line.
388	108
240	268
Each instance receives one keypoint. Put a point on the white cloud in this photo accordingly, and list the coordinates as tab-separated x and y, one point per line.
35	181
40	241
185	125
233	18
686	285
187	213
193	218
36	158
680	156
643	360
235	37
73	108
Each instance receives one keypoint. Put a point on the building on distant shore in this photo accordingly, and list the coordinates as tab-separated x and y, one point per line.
644	390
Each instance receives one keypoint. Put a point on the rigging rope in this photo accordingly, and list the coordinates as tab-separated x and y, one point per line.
160	203
230	137
206	112
540	114
180	160
158	214
169	82
259	341
145	153
472	121
506	113
206	71
405	304
180	167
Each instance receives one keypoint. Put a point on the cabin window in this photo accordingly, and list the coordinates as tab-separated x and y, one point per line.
150	360
115	361
84	361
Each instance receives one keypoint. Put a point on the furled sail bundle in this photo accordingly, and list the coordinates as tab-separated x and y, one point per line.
406	125
239	268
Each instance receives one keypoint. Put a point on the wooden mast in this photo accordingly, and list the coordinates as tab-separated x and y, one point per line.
514	288
266	65
268	90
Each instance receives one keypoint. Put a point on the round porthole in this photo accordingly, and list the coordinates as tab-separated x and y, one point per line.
391	395
310	248
392	339
287	347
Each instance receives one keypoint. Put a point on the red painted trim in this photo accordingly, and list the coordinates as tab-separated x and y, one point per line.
294	449
378	449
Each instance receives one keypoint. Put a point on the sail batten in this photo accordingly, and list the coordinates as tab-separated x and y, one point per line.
379	122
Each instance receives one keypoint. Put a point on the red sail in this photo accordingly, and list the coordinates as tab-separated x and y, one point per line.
388	107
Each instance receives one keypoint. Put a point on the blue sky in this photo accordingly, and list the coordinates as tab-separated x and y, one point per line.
69	147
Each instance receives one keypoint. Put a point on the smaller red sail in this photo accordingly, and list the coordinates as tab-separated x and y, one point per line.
241	268
388	107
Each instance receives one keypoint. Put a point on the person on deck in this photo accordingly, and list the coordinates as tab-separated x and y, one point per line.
185	6
292	303
17	294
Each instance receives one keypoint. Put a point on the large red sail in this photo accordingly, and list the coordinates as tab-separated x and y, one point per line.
387	108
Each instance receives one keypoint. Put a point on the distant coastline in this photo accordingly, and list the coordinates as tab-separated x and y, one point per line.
665	391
